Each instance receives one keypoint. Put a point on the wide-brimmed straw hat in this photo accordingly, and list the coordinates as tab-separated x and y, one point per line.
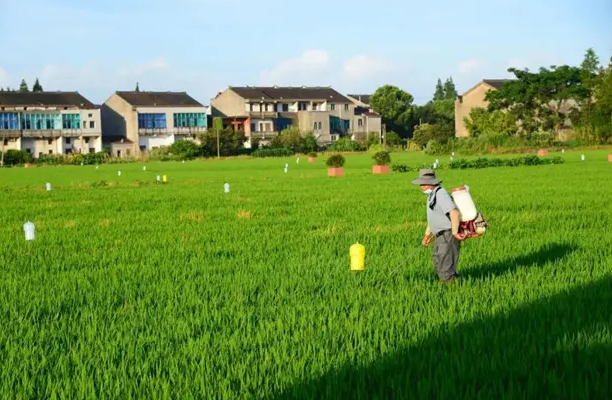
427	177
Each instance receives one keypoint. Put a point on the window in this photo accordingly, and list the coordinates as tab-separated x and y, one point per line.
302	106
67	140
6	142
346	107
92	150
143	148
86	140
189	120
71	121
92	124
50	151
320	125
253	127
29	151
359	122
118	153
151	121
90	115
332	107
315	125
9	121
41	121
50	141
68	151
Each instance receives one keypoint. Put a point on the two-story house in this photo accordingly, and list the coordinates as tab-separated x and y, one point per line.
262	112
49	123
135	122
365	120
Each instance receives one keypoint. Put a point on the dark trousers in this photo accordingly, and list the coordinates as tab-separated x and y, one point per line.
445	255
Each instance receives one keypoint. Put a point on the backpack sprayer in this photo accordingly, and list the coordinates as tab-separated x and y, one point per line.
471	222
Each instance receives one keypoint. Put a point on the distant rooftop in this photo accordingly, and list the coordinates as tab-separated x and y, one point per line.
45	99
290	93
496	83
364	98
159	99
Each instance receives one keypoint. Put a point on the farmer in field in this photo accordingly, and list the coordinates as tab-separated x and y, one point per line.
442	226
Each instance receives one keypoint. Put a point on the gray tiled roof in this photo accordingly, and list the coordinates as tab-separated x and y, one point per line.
46	99
290	93
159	99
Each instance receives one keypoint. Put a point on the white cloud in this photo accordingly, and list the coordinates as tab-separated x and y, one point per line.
362	66
469	66
298	70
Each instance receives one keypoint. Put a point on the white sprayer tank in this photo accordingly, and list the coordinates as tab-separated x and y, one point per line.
464	203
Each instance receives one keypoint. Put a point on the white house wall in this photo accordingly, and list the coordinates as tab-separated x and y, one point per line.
150	142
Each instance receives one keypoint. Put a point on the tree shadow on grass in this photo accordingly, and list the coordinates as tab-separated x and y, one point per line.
548	253
556	348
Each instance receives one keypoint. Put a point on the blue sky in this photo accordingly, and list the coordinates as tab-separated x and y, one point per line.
203	46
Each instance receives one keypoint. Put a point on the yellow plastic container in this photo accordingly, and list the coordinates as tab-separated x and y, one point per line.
165	178
357	253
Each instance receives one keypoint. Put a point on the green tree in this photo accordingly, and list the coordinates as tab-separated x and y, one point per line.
23	87
482	122
539	100
185	149
37	87
392	138
439	93
290	138
423	134
137	87
395	107
230	142
450	91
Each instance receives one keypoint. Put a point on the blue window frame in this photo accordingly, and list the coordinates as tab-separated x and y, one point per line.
189	120
41	121
151	121
71	121
9	121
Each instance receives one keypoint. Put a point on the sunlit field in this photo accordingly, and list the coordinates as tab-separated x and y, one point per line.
138	289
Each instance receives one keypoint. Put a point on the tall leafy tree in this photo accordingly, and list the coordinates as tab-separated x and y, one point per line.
439	93
539	100
23	87
450	91
395	107
137	87
37	87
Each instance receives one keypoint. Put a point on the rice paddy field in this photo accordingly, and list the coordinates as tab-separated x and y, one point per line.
139	290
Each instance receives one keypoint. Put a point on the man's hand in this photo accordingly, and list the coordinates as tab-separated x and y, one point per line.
460	236
426	240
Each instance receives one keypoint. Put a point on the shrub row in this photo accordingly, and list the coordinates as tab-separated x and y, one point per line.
484	162
272	152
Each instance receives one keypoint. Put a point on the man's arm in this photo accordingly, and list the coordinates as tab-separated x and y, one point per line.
454	217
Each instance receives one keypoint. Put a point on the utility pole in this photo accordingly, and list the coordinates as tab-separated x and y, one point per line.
218	150
384	136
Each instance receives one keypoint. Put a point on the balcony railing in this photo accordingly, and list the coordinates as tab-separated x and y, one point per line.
154	131
264	114
189	130
10	134
46	133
